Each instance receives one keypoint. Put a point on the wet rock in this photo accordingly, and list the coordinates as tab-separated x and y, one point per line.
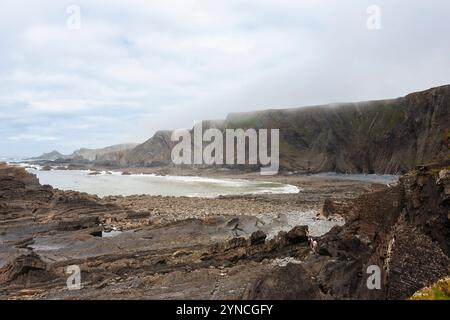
323	251
257	237
298	234
96	232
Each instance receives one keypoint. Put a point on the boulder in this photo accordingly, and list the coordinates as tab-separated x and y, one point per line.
258	237
298	234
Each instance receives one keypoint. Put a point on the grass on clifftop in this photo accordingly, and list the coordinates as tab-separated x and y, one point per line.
439	291
437	170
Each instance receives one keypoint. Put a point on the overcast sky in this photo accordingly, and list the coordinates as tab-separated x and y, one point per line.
132	67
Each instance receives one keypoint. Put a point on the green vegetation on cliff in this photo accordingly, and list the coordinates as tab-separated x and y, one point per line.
438	291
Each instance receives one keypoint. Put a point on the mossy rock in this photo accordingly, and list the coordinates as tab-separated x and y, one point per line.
439	291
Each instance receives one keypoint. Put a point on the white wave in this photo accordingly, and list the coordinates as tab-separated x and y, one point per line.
105	184
280	190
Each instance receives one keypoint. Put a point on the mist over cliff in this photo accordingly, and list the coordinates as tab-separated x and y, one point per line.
386	136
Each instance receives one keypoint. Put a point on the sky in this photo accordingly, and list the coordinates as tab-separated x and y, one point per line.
95	73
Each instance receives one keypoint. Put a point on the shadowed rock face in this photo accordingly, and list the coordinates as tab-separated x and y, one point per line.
154	152
281	280
389	136
404	230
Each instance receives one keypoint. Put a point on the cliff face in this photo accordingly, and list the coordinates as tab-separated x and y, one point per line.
404	230
389	136
51	156
111	153
156	151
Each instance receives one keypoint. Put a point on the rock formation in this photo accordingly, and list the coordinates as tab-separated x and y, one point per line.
51	156
388	136
113	154
404	230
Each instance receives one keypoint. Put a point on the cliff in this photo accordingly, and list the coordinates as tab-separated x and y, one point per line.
156	151
111	153
50	156
388	136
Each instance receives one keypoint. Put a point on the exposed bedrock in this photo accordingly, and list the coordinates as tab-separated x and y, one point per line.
404	230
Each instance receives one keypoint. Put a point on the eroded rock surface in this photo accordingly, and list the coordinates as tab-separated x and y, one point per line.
126	250
404	230
125	253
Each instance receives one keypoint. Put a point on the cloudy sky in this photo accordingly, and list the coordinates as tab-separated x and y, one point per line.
120	70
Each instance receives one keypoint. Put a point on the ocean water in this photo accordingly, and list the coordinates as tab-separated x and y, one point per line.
106	184
376	178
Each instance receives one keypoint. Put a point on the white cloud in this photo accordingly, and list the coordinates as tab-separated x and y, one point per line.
32	137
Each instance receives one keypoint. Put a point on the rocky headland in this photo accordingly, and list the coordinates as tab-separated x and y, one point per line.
383	137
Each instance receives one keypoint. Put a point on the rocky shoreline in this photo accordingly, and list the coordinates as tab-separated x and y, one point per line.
194	248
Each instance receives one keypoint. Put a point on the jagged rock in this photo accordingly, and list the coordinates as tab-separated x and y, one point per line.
298	234
257	237
28	268
234	243
404	230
